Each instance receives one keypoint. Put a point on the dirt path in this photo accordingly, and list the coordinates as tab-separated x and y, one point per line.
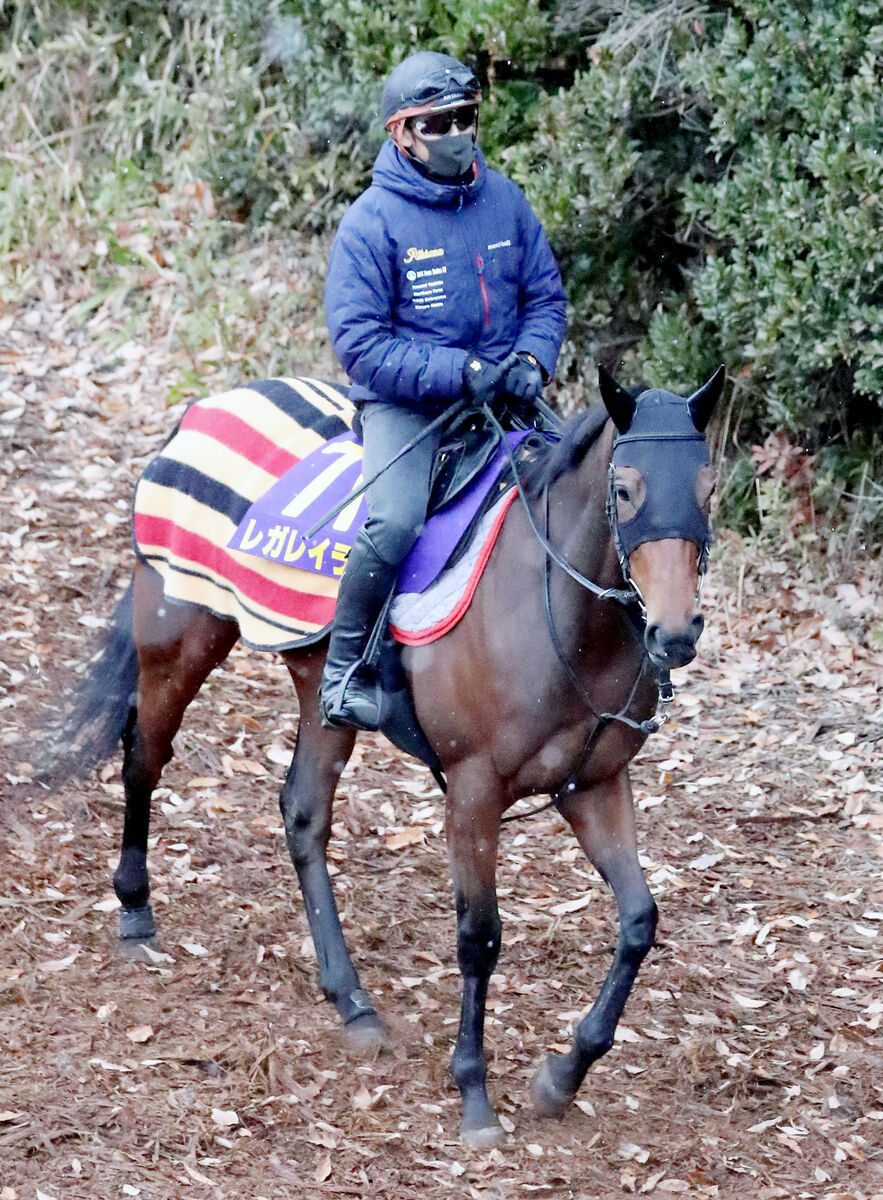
750	1062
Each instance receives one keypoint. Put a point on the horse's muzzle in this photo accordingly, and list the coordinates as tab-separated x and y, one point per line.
670	648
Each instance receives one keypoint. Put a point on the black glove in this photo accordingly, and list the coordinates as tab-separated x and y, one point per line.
483	382
524	379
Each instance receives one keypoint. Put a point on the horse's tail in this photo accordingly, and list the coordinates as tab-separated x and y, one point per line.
96	713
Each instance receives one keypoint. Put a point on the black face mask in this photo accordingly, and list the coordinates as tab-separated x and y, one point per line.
450	157
666	475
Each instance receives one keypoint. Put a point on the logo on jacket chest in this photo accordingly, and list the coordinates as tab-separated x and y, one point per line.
427	283
416	254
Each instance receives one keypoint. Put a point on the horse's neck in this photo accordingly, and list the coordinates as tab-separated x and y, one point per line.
590	633
578	516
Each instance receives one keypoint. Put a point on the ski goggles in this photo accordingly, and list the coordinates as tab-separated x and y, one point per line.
438	124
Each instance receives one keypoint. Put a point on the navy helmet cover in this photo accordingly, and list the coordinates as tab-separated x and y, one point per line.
427	82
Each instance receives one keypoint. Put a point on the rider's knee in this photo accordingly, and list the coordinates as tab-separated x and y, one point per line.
394	537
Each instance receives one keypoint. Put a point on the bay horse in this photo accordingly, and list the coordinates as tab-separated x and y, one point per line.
547	686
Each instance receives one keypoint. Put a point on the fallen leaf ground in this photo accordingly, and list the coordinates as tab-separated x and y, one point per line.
750	1061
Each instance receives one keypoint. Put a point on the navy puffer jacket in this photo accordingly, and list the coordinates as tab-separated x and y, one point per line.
421	273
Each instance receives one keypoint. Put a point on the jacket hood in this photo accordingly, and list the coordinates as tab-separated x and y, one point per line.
395	173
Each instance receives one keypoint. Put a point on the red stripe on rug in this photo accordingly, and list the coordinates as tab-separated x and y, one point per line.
238	435
432	633
290	603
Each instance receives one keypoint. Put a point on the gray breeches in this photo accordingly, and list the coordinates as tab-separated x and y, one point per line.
397	502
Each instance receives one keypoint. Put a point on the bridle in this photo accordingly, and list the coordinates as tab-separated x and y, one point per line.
629	597
621	553
631	593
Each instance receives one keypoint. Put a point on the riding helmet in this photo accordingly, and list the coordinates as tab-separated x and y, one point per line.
427	82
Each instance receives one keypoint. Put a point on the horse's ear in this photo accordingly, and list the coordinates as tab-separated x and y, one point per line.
617	401
701	404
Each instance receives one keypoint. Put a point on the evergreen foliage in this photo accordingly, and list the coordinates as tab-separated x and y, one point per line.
709	173
789	288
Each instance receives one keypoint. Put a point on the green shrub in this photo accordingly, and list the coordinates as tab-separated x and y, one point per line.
789	288
604	172
849	494
709	173
276	104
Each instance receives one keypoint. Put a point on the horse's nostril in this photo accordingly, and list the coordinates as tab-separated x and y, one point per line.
672	649
656	639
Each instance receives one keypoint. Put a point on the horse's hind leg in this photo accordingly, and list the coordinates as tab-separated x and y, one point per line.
306	802
602	818
178	645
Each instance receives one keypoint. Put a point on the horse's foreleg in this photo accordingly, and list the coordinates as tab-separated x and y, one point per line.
472	830
306	803
177	648
602	818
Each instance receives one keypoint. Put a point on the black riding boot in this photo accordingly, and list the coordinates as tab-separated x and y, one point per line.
350	693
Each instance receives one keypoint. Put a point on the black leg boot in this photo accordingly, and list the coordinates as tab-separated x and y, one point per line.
350	693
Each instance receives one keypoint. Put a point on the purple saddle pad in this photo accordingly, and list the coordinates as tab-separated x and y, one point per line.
273	526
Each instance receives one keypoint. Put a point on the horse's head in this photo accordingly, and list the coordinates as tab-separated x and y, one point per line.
660	487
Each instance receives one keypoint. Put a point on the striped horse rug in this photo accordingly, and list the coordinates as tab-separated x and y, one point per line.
203	518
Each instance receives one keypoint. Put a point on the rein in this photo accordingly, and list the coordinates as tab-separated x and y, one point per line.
439	422
622	595
626	596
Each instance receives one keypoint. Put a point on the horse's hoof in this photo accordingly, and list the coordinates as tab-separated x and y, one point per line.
483	1135
136	925
549	1100
366	1034
136	949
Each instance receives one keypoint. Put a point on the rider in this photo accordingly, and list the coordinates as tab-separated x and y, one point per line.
441	284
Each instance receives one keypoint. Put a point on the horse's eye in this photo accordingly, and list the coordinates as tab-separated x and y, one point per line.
629	492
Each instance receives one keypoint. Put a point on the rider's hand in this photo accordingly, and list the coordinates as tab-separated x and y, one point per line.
524	379
483	381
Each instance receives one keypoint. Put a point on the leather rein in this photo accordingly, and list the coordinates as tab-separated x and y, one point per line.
629	597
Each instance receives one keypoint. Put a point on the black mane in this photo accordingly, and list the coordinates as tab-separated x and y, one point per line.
578	435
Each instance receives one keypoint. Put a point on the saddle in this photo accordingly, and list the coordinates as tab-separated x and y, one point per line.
466	449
